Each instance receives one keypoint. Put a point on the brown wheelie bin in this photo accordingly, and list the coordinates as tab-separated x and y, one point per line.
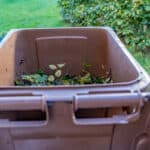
114	116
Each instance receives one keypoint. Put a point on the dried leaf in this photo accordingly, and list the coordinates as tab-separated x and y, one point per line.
103	67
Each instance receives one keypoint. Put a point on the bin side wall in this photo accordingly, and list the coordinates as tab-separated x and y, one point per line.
7	60
72	51
134	136
121	66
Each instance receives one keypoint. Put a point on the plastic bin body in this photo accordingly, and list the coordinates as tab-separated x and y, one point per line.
111	116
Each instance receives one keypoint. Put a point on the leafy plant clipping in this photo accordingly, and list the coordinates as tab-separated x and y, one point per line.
57	78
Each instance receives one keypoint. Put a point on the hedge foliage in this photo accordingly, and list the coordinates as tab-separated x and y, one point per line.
129	18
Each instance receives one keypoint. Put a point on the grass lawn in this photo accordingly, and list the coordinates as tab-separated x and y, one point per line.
143	59
28	14
40	13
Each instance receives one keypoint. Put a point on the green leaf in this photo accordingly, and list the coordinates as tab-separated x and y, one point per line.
86	66
51	78
61	65
52	67
58	73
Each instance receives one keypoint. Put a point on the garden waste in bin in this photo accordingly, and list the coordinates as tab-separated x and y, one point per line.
111	116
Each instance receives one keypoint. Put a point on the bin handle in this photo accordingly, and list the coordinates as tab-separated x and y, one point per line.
22	103
104	101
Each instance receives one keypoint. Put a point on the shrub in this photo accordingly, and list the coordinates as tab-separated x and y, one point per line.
130	19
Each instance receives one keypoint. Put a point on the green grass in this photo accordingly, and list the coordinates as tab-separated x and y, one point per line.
40	13
143	59
29	14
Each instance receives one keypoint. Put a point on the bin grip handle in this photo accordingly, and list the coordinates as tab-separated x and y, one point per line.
23	103
108	121
88	101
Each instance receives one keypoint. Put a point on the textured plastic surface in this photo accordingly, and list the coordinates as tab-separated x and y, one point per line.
111	116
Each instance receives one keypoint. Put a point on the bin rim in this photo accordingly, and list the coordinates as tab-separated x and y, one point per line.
141	82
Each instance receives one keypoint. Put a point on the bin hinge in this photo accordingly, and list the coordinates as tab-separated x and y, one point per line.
146	96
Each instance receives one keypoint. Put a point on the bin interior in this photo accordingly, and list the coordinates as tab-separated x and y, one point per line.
26	51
